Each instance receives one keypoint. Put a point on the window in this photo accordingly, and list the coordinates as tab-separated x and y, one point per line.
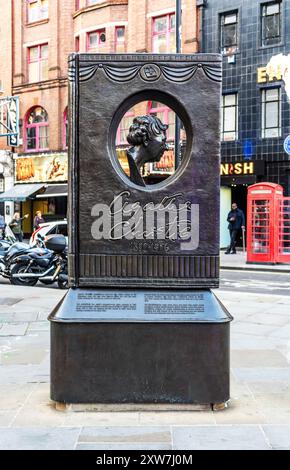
65	129
36	130
37	10
166	115
271	23
271	112
38	63
62	229
123	129
120	39
229	33
96	40
92	2
229	126
77	44
164	34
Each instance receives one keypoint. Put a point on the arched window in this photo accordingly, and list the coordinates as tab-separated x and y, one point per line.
65	129
165	114
36	130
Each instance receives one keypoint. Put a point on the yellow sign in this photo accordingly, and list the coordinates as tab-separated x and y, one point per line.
270	74
242	168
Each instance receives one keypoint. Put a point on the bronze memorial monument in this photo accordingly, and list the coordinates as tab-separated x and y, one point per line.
139	323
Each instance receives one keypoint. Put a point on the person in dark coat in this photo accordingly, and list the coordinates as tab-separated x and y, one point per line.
236	221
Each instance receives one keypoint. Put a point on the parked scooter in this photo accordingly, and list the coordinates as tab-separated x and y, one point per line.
48	266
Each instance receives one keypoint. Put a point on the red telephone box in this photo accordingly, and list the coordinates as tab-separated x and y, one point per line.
283	253
263	208
268	224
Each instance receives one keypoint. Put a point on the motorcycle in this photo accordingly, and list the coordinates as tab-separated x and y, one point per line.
48	265
10	250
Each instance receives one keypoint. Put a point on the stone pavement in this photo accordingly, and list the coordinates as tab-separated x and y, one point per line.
238	261
258	416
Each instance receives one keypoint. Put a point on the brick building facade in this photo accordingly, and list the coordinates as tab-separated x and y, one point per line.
42	34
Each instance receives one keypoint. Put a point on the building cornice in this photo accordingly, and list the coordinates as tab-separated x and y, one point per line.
47	84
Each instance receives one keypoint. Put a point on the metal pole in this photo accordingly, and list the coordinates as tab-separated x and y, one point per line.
244	240
178	51
178	26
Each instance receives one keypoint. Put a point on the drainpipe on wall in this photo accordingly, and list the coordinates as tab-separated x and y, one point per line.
201	5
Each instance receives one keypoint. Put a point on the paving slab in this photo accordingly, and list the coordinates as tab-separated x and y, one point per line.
276	386
282	332
241	411
278	436
39	326
38	415
258	358
16	317
14	396
267	318
176	418
245	341
254	329
13	329
121	446
126	434
262	374
219	438
22	374
38	438
101	419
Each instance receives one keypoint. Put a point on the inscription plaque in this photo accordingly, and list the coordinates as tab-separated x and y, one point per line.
141	306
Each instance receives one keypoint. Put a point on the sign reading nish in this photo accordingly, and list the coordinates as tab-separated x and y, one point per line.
240	168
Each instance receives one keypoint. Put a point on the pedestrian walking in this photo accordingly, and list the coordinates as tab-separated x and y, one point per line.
38	219
16	225
236	221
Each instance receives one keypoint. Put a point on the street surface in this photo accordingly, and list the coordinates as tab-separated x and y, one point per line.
257	417
241	281
258	282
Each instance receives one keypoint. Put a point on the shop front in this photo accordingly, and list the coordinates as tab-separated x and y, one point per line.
235	179
40	183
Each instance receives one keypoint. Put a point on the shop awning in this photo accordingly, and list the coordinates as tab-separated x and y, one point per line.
21	192
54	190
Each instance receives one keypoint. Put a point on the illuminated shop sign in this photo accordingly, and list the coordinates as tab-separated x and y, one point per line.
50	168
240	168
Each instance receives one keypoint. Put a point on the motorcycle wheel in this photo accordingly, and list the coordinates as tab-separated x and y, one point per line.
18	269
62	284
